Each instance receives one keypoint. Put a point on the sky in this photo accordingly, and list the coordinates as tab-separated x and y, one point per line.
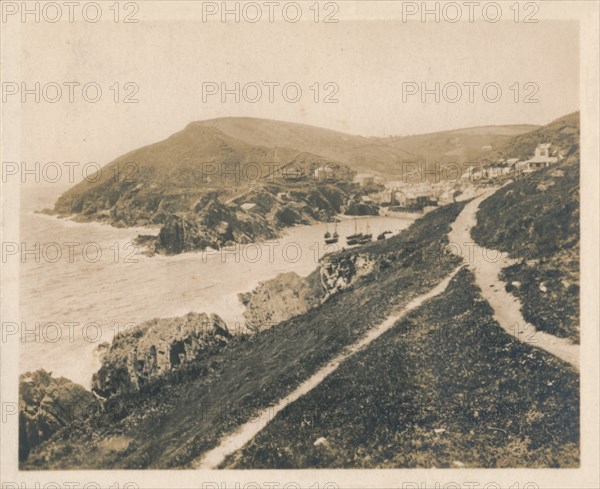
365	66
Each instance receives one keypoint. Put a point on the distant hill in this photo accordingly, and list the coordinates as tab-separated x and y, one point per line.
198	156
207	188
358	152
247	177
467	145
563	134
379	155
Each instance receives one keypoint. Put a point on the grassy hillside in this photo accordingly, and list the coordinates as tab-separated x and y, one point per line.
447	387
460	145
358	152
536	219
172	420
563	133
151	183
194	184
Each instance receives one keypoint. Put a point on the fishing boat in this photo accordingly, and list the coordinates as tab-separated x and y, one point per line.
332	238
366	238
355	238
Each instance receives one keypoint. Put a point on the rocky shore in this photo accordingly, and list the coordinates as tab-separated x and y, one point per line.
213	195
154	348
46	404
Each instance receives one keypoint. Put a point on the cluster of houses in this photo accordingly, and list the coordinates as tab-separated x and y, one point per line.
542	158
413	197
425	195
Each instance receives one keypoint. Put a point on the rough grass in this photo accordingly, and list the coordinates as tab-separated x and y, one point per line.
173	420
447	367
536	220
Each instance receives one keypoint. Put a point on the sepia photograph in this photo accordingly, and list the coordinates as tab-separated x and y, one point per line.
325	243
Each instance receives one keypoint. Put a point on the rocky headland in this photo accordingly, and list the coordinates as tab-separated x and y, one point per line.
46	404
154	348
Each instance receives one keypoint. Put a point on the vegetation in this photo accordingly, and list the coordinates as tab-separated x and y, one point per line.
563	135
446	387
174	419
536	220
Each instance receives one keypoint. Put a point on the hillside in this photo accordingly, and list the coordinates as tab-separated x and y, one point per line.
164	177
563	134
175	417
426	395
536	220
375	154
194	184
359	153
467	145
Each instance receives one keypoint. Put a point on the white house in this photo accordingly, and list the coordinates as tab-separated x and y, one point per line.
364	179
323	172
365	199
541	159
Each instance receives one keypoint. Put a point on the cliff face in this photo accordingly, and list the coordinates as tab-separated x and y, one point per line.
154	348
289	295
281	298
341	272
47	404
207	189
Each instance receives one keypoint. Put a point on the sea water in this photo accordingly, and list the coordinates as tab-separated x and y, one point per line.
102	284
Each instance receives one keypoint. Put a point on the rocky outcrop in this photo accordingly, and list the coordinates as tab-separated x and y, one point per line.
289	295
154	348
213	225
341	272
46	404
361	209
281	298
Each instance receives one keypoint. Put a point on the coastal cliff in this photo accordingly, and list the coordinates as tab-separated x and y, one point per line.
207	189
46	404
288	295
154	348
281	298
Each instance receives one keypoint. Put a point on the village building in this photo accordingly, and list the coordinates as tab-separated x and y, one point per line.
541	159
400	198
365	199
323	172
386	196
364	179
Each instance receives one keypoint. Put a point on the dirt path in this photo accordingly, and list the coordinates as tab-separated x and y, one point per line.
487	265
236	440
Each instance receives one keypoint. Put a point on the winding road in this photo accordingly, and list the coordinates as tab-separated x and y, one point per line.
486	265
